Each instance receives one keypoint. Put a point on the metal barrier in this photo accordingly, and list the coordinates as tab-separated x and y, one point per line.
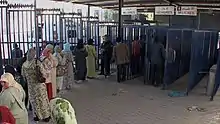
28	26
17	25
136	66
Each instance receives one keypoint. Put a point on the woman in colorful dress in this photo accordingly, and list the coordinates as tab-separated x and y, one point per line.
47	63
69	77
62	111
37	90
90	60
13	97
61	67
53	71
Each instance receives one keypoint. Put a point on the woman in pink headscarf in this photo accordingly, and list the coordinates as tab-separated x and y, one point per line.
49	63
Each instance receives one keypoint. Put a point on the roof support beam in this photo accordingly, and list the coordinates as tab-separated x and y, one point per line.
90	1
130	2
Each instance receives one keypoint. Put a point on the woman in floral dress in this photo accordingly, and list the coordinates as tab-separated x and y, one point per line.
61	67
37	91
53	71
48	64
69	77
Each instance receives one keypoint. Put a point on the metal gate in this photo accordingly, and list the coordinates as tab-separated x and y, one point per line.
17	29
28	26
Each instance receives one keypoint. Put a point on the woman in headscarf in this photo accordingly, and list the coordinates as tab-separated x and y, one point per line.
53	70
47	63
91	71
80	59
61	67
6	116
69	77
37	90
13	97
62	111
18	78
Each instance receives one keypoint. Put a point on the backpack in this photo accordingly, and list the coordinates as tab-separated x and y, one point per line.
136	48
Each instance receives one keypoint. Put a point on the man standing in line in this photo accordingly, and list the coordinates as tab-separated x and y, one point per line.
106	55
16	52
121	57
136	56
157	62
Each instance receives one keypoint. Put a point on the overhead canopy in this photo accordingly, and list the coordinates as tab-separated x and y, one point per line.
145	4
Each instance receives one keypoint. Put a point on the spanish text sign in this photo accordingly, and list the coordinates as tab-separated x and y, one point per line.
186	10
129	11
164	10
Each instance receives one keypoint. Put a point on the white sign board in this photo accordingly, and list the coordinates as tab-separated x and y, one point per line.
164	10
129	11
186	10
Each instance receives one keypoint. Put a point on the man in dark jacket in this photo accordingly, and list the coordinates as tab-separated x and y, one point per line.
16	52
157	62
106	55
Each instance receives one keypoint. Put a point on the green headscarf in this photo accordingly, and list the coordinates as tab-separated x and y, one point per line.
50	46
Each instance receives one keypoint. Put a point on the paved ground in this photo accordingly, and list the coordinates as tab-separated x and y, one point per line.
136	103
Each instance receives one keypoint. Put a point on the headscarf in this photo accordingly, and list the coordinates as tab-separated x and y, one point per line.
50	46
46	52
80	45
6	115
10	69
66	47
57	49
58	112
90	42
9	78
31	54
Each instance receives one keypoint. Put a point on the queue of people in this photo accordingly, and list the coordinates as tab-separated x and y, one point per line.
38	80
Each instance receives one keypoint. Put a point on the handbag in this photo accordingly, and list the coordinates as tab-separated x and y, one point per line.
39	76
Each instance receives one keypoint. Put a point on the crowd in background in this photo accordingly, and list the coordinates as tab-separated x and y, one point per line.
35	82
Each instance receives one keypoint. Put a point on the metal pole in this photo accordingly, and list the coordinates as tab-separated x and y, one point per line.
88	24
36	29
198	24
120	29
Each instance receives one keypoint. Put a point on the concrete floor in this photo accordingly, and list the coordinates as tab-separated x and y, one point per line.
136	103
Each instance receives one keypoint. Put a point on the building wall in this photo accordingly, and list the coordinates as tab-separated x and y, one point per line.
204	20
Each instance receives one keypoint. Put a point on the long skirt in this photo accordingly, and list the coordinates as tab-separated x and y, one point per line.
49	90
60	82
54	84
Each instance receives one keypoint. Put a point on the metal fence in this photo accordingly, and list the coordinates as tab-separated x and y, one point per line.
29	26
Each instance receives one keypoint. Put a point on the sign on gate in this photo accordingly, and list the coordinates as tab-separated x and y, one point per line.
129	11
186	10
164	10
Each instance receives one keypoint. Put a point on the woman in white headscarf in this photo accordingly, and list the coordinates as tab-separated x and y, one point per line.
13	97
61	67
62	111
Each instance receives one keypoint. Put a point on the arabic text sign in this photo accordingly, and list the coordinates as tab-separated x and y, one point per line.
164	10
129	11
186	10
